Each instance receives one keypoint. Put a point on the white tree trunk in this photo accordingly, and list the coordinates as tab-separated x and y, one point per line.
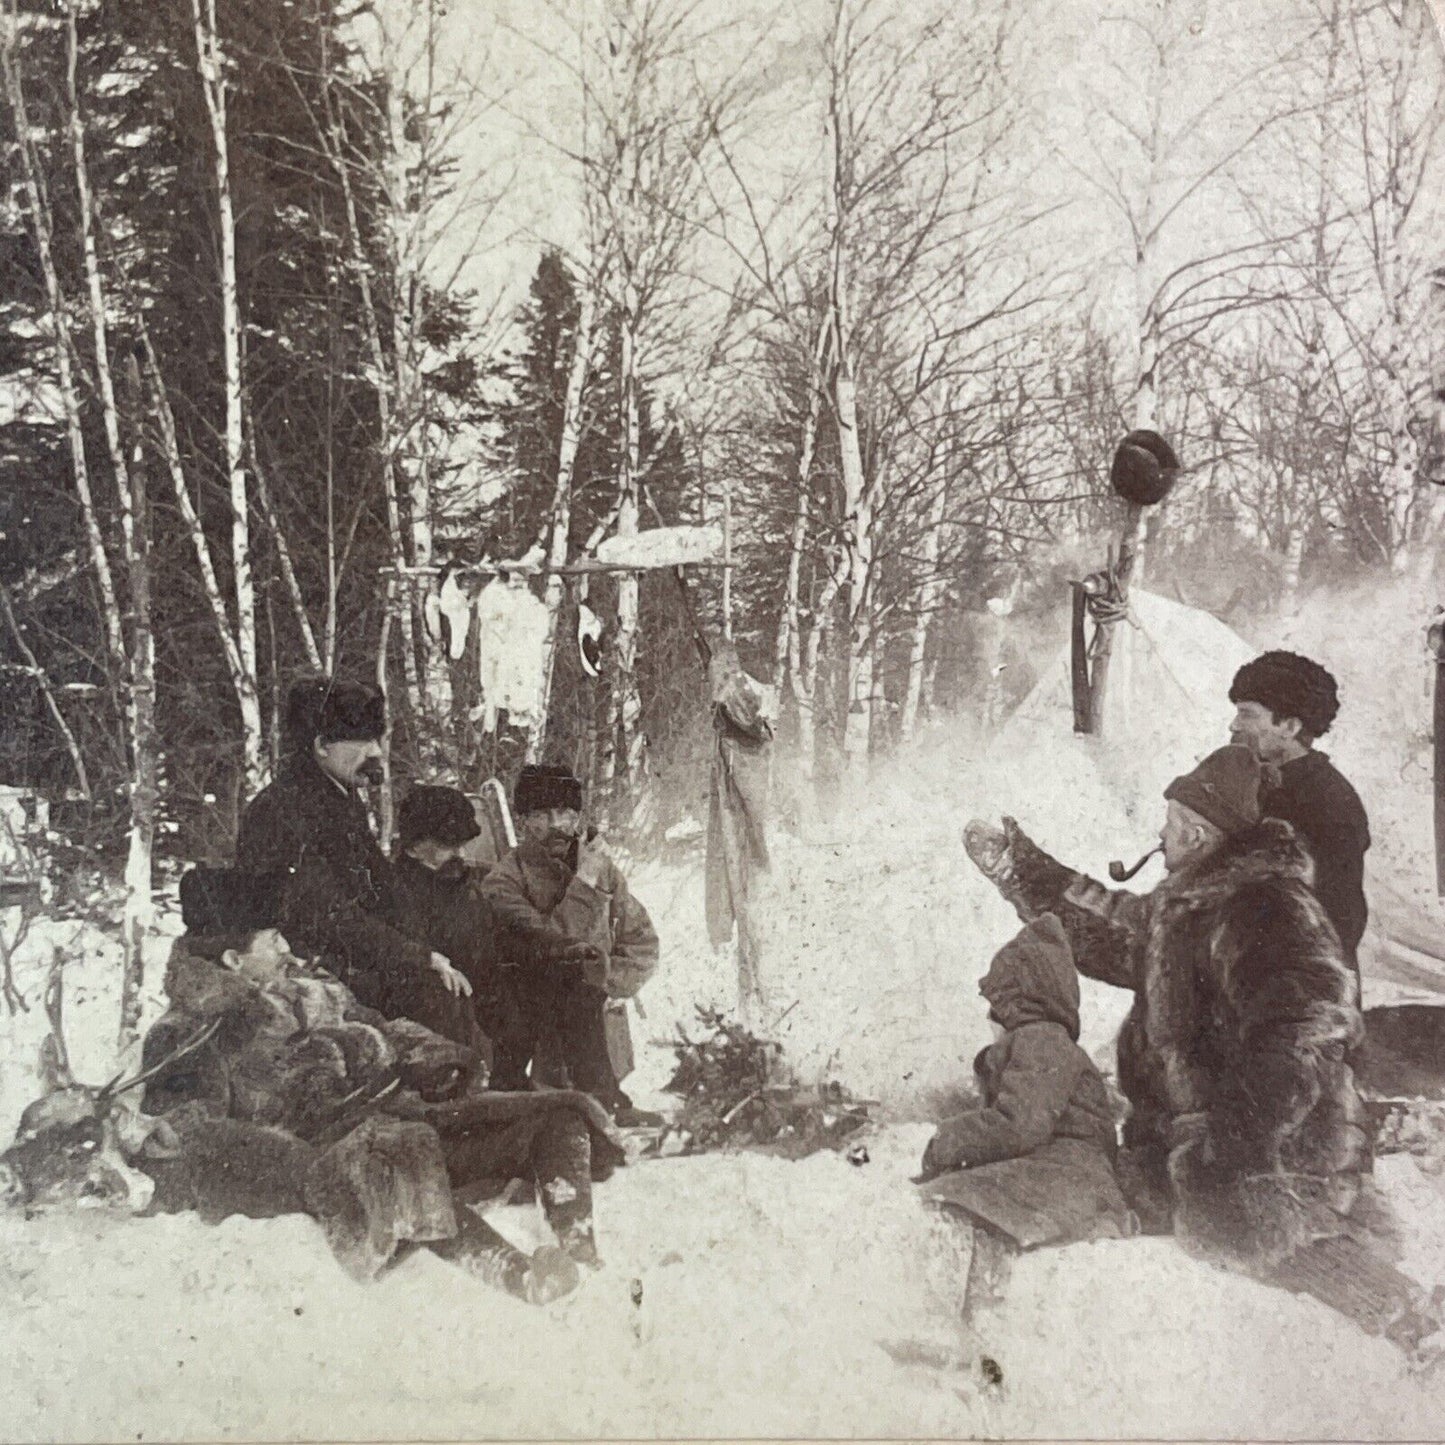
283	556
212	62
858	542
631	745
805	675
39	205
785	648
857	509
560	519
139	914
930	592
166	422
1294	551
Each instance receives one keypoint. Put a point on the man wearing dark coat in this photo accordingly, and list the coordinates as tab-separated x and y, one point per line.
1283	703
439	901
581	937
340	905
1246	1134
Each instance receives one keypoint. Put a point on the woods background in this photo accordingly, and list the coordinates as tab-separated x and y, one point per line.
305	302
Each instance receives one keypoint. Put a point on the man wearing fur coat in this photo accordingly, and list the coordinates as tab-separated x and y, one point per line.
1246	1134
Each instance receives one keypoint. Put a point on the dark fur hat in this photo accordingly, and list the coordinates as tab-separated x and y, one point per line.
332	710
444	815
1289	686
546	785
1144	468
228	901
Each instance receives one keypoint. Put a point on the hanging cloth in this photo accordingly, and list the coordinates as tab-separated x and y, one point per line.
512	639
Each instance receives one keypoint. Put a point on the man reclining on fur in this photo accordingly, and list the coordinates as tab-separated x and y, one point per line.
370	1123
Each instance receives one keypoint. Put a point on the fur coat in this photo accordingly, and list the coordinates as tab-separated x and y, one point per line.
1234	1054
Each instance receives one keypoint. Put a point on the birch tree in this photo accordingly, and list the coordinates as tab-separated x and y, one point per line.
211	67
129	632
649	128
920	287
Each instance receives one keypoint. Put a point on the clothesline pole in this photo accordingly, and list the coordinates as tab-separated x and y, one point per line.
572	569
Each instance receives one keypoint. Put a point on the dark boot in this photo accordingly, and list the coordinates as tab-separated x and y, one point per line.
477	1247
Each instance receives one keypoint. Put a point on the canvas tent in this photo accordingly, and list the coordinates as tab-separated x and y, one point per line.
1096	798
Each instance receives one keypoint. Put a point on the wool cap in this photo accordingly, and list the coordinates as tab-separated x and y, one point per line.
333	710
1224	789
442	815
1289	686
228	900
546	785
1144	468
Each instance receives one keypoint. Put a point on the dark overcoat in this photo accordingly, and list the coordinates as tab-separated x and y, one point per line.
340	905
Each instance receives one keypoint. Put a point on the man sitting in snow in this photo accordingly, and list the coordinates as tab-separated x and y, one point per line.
1283	702
1245	1132
1034	1164
340	904
368	1123
439	901
580	938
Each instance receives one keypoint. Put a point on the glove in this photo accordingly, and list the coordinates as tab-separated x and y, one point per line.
943	1154
580	953
996	851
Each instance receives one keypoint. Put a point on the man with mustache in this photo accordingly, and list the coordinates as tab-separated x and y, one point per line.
578	937
340	905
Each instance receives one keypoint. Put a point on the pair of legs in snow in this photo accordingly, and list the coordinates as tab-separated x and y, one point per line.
561	1032
553	1151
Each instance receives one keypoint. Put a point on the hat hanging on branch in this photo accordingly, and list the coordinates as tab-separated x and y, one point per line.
1143	473
1144	469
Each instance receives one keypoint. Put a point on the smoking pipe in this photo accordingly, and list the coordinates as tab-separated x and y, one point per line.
1120	874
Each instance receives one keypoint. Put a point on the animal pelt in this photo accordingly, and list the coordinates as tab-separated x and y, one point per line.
1234	1055
1250	1011
220	1167
384	1183
65	1150
1255	1222
436	1068
294	1052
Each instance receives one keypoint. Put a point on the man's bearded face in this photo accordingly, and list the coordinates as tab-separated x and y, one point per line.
555	829
444	859
350	761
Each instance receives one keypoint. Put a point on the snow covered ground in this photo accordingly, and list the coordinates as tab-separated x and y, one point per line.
777	1298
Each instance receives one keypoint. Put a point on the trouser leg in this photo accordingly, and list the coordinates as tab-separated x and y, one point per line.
552	1147
561	1163
506	1024
582	1034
